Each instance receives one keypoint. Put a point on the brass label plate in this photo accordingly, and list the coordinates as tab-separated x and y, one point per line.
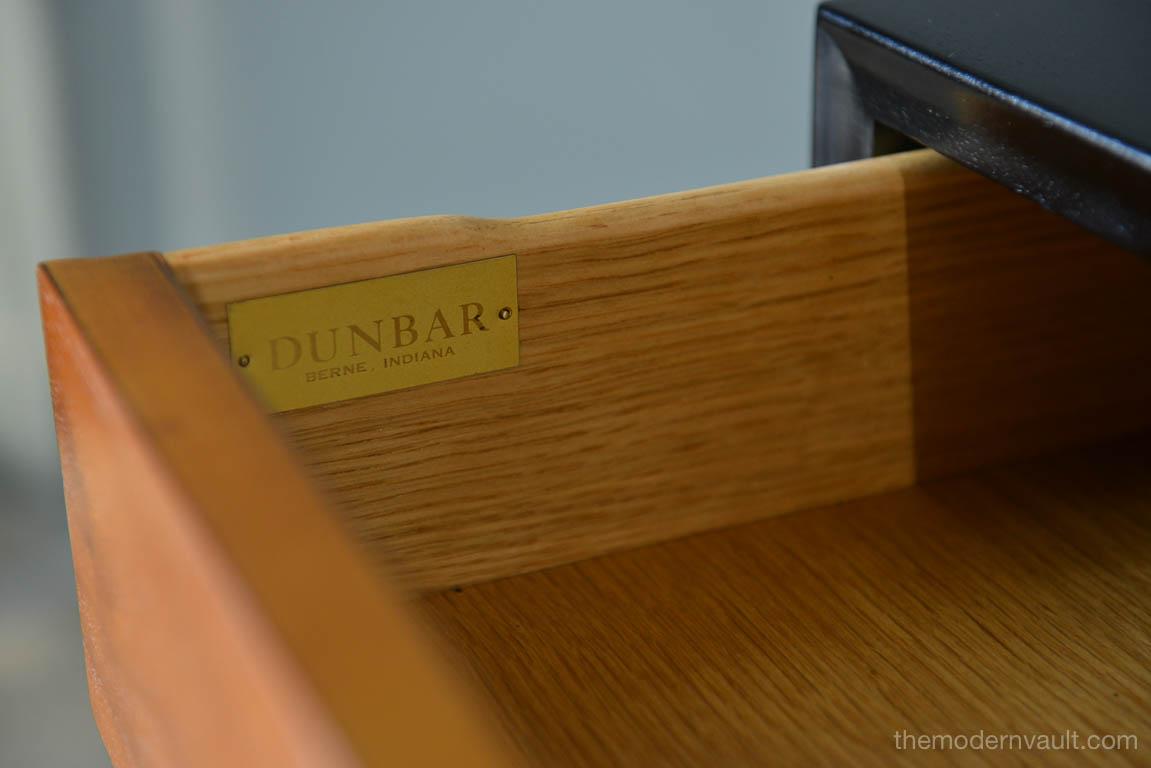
357	339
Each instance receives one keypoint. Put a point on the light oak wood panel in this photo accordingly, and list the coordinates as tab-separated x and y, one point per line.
1026	333
706	358
1012	600
228	618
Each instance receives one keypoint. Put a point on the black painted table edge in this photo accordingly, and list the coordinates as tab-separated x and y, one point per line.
866	76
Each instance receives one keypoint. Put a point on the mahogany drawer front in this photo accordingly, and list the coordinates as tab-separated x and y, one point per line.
282	588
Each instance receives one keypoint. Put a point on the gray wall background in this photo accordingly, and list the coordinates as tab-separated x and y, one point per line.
156	124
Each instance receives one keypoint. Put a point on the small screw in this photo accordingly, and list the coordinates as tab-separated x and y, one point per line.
505	313
244	360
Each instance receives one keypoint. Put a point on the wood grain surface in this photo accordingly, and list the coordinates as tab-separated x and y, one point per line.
689	362
716	356
228	618
1010	601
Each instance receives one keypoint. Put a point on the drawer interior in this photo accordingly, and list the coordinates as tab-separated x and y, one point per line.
787	466
908	355
883	347
1004	600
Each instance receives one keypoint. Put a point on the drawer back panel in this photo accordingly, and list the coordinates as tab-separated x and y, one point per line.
702	359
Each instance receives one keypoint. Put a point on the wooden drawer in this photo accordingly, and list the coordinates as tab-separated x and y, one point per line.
582	559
